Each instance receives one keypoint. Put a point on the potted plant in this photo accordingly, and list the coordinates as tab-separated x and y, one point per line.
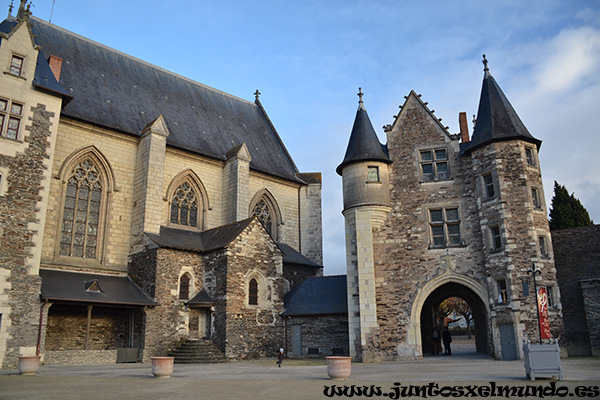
162	367
339	367
28	365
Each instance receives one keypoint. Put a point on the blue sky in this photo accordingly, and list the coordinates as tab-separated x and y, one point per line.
308	59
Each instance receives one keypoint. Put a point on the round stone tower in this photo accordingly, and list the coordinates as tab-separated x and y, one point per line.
366	195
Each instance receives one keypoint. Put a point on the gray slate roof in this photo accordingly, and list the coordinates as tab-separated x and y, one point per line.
497	120
115	90
218	238
71	287
291	256
363	144
321	295
200	299
209	240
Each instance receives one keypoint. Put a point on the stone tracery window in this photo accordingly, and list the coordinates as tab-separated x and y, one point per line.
184	206
264	214
81	211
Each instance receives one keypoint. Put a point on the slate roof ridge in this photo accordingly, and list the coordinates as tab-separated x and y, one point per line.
264	113
146	63
431	112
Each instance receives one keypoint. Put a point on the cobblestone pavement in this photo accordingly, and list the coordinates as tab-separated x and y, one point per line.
297	379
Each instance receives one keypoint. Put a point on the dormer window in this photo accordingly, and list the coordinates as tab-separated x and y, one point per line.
16	65
93	286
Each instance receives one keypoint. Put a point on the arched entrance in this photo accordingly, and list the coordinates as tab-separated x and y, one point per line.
437	296
449	284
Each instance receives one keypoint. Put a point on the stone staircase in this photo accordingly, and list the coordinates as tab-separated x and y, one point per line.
198	351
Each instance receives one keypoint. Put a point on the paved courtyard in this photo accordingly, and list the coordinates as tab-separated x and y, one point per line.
297	379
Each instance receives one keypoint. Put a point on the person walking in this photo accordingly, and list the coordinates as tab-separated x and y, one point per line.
447	338
280	357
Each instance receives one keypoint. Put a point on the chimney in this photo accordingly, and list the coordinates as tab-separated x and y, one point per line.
464	128
55	65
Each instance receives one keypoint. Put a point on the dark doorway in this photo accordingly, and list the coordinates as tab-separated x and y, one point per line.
480	322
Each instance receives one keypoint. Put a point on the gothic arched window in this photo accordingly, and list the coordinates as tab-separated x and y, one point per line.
253	292
184	287
184	206
264	214
81	211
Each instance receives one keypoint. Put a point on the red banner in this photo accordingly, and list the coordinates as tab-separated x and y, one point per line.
542	299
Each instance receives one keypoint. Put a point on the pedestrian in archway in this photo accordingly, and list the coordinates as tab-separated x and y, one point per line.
436	336
447	338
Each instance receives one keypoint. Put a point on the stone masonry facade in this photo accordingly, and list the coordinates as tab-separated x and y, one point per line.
577	255
472	229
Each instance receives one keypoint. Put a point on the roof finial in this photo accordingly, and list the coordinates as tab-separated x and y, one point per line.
360	95
485	63
256	94
10	8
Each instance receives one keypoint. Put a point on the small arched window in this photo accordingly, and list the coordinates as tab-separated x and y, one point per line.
184	206
184	287
81	211
253	292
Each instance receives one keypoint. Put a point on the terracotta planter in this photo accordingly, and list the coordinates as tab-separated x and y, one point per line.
339	367
28	365
162	367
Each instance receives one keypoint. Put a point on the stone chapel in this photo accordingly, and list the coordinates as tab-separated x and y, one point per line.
431	215
139	208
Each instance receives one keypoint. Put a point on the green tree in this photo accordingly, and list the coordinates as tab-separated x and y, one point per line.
567	211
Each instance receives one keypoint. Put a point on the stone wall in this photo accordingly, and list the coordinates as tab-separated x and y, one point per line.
80	357
66	328
19	284
590	288
254	331
322	335
157	271
577	256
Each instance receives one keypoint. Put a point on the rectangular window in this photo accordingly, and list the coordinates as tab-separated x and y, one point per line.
535	198
496	238
445	227
16	65
488	182
543	246
434	164
11	114
550	294
372	174
530	155
502	291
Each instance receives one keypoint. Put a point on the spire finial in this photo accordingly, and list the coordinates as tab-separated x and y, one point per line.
256	94
360	95
485	64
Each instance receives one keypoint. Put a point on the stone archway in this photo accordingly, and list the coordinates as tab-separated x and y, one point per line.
432	294
443	292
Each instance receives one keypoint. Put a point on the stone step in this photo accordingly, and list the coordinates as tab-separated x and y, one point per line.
198	352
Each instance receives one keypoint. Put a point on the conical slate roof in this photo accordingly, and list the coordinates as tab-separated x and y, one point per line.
497	120
364	144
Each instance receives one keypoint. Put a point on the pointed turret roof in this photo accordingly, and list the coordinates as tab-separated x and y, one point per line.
497	120
364	144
